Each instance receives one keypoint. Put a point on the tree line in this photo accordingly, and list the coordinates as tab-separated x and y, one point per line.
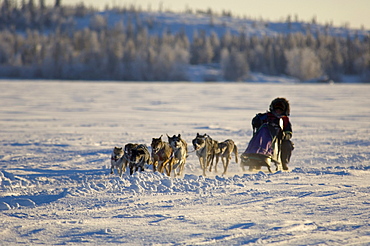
39	41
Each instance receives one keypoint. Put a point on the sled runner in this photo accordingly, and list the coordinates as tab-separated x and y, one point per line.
264	148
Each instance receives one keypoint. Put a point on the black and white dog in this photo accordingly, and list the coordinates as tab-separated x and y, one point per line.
140	156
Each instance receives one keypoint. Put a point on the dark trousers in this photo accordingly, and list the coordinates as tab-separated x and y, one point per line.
287	147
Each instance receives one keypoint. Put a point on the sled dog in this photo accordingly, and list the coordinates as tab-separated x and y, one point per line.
161	155
117	161
214	151
206	149
128	153
180	153
121	158
225	149
140	156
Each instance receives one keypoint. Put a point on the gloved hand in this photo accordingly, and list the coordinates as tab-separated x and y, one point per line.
287	135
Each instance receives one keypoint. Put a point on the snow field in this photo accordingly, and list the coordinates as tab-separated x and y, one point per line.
57	137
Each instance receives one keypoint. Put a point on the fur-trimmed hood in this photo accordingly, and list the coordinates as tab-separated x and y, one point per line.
282	103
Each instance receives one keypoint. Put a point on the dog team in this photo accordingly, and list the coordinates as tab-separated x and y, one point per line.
168	157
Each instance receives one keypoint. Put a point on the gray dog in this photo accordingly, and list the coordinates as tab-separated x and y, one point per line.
206	149
180	153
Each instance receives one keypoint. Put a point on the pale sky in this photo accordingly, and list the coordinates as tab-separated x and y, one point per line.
339	12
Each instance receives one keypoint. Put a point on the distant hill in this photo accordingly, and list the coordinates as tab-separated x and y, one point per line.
76	42
159	22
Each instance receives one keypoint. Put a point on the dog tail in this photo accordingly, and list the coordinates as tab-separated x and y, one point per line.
235	150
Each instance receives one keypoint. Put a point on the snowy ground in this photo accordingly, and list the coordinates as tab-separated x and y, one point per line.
56	140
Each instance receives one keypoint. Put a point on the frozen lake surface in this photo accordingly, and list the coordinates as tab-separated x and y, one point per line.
57	137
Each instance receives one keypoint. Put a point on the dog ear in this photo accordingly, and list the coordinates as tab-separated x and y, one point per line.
179	135
161	136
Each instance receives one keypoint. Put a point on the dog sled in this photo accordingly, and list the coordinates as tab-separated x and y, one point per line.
264	149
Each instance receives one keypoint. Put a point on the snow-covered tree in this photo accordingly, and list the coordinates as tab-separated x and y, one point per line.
98	23
201	49
362	63
7	41
58	3
303	64
226	40
234	65
215	44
